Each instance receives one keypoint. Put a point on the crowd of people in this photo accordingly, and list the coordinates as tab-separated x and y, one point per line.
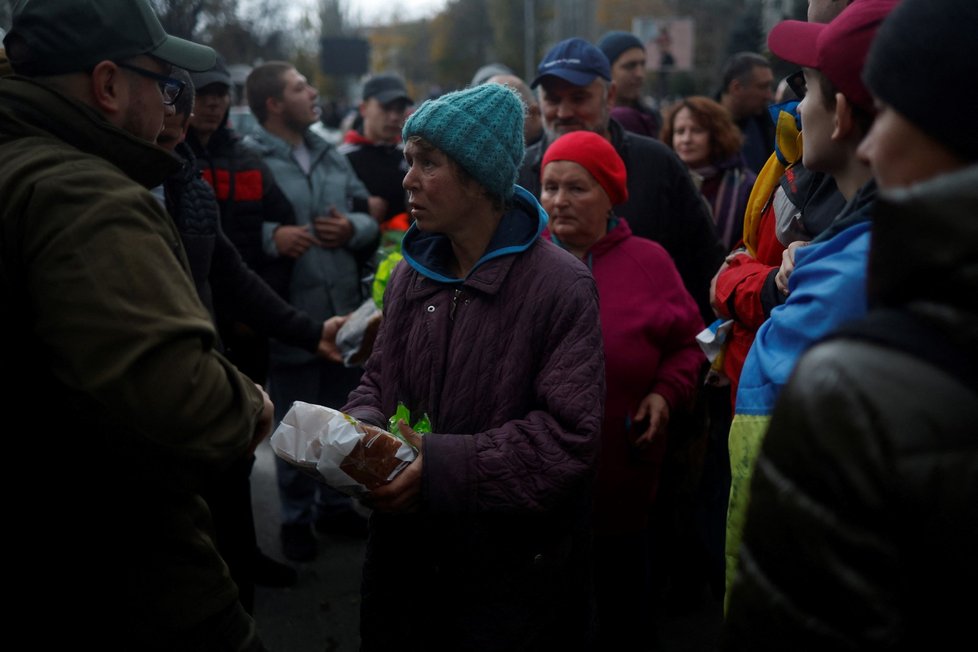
725	346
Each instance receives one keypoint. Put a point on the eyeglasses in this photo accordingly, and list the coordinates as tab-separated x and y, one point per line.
796	82
169	87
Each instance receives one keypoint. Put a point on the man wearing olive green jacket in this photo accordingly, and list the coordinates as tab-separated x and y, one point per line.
125	407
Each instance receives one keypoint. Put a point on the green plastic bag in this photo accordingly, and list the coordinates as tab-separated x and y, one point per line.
383	274
421	426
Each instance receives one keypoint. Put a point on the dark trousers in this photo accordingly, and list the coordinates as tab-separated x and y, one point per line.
229	499
623	592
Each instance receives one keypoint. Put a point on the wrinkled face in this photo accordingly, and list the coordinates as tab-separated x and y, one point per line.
690	139
568	108
438	199
577	205
382	123
755	94
628	73
143	117
210	107
298	102
901	154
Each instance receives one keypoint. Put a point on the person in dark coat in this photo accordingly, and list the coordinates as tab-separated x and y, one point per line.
374	149
123	406
482	543
663	205
864	508
250	202
746	91
221	276
626	54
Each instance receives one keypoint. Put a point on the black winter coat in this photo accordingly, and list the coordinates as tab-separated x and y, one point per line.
247	197
220	274
862	532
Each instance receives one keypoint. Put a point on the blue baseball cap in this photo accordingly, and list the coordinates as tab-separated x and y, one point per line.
574	60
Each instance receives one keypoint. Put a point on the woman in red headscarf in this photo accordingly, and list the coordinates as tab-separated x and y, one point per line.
649	324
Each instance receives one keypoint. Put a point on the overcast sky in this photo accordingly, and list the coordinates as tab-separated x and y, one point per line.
382	11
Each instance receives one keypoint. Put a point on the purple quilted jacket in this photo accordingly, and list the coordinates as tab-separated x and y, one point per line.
508	364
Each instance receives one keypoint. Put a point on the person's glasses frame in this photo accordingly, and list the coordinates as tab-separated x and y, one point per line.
796	82
169	87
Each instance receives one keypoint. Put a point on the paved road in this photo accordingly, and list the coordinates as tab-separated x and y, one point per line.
320	613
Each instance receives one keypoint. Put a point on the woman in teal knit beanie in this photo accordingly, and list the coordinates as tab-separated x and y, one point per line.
482	542
480	128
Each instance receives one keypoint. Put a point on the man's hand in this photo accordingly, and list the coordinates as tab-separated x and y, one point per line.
293	241
263	427
327	342
333	229
377	207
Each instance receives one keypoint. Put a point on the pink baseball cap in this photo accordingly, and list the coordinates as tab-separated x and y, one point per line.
838	49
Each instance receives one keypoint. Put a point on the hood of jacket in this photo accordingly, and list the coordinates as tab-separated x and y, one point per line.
521	225
858	209
220	141
925	247
29	109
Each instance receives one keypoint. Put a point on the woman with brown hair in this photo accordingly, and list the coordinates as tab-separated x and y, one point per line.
705	137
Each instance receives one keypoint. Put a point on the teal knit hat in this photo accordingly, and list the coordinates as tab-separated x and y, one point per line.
480	128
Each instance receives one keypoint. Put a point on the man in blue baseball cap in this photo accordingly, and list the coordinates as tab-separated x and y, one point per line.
576	92
129	409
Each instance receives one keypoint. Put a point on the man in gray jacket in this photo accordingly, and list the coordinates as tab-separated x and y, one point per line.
332	235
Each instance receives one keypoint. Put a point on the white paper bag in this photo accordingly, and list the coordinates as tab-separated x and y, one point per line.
351	457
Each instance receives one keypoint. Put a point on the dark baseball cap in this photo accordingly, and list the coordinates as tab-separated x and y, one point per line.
574	60
616	43
838	49
52	37
386	88
218	74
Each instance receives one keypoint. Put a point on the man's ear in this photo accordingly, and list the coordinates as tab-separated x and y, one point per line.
362	109
110	91
612	93
844	121
273	106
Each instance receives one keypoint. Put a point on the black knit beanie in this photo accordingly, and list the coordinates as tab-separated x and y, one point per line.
923	64
614	44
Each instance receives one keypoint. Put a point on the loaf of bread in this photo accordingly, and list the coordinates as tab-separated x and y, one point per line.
351	456
373	460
